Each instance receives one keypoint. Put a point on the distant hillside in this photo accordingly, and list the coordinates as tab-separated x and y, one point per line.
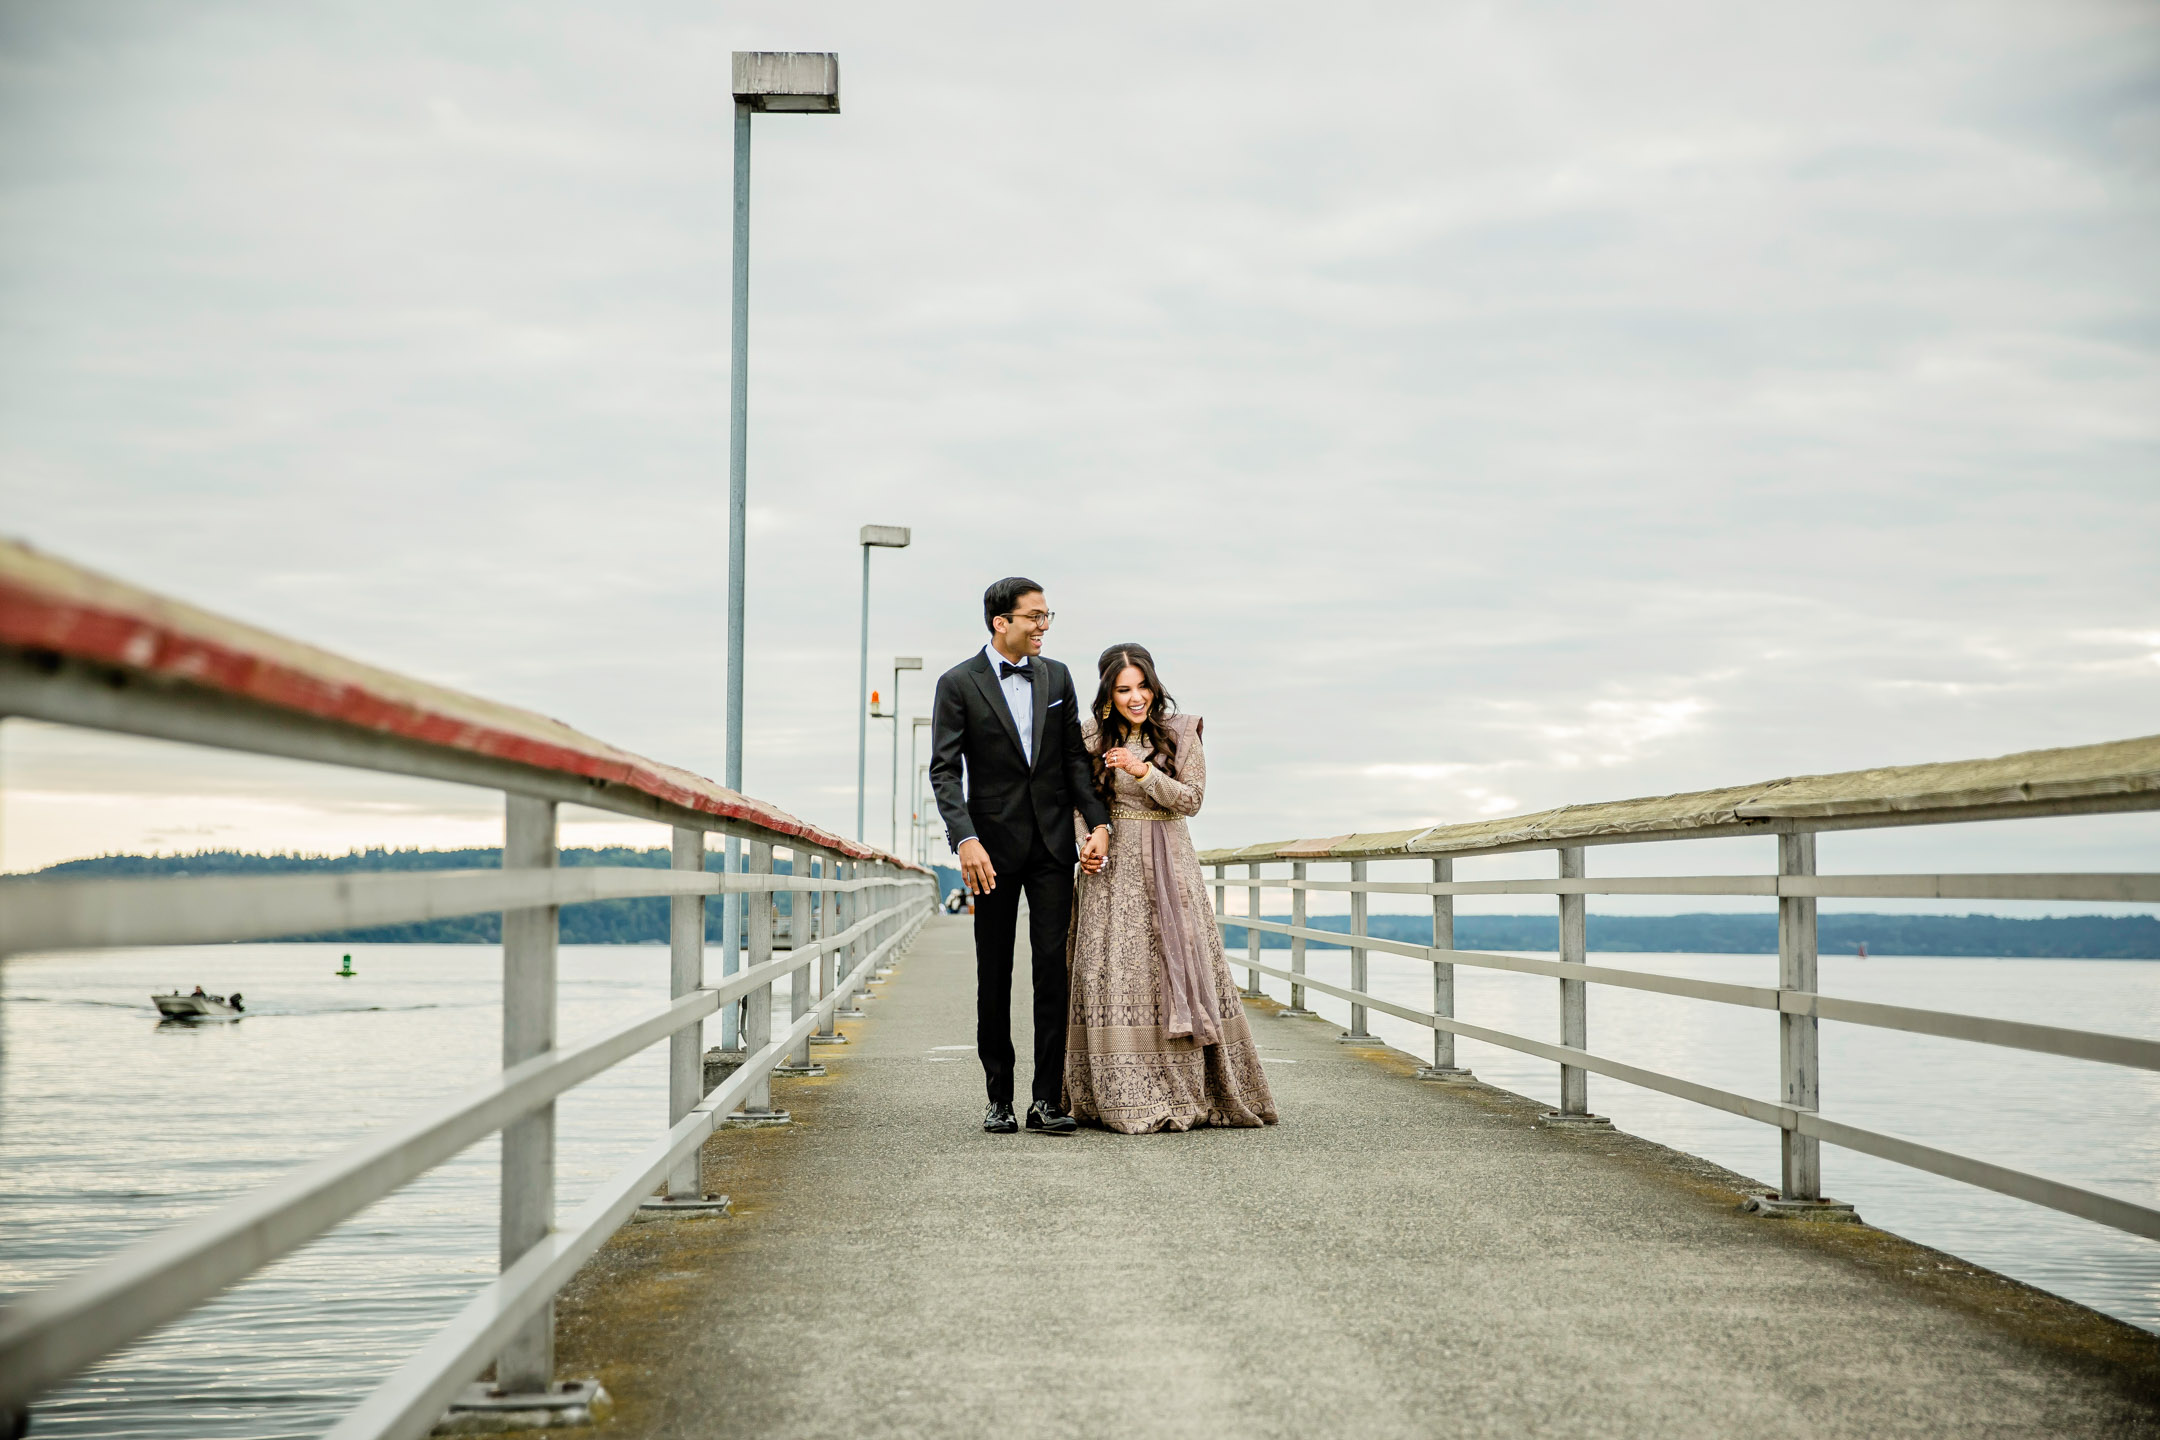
644	922
2066	937
599	922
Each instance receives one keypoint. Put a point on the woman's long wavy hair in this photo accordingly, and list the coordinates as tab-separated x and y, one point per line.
1115	729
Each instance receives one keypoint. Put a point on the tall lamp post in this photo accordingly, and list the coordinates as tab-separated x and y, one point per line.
776	81
914	756
874	537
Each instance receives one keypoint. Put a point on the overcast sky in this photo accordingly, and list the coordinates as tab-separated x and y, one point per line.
1476	407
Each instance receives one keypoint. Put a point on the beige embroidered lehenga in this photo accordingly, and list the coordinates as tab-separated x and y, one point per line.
1158	1038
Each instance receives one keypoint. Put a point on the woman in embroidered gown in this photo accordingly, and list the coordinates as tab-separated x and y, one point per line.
1158	1038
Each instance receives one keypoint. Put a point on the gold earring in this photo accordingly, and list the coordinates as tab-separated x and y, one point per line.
1104	713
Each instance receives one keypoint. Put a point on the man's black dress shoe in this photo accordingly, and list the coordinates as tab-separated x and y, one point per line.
998	1119
1044	1116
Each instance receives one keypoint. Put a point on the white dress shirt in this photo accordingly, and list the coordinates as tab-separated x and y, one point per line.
1019	698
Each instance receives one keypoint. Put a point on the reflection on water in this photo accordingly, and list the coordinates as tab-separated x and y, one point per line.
2093	1125
115	1126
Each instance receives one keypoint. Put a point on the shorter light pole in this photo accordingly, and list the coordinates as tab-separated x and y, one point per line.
887	537
900	663
922	823
914	755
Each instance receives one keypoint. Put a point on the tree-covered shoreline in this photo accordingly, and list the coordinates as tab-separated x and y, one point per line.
599	922
645	921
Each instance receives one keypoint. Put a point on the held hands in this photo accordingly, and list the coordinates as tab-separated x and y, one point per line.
975	867
1095	850
1120	758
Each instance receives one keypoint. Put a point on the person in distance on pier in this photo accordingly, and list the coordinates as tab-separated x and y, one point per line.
1159	1039
1008	769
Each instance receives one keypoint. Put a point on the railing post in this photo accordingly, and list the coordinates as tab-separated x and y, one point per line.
1252	932
731	944
828	924
851	909
802	931
868	870
1443	1065
1574	1002
526	1364
1801	1171
1359	908
869	910
888	895
686	971
1297	942
1220	892
757	1018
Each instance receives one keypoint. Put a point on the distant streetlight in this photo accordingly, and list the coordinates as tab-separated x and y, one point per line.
768	80
914	755
923	821
874	537
900	663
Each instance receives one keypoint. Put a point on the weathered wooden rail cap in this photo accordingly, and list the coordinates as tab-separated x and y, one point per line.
2115	775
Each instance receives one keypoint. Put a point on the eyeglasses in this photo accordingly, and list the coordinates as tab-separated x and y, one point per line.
1040	617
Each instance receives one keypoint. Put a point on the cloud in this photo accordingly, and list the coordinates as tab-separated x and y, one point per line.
1524	406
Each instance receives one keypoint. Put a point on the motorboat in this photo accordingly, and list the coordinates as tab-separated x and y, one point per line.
198	1006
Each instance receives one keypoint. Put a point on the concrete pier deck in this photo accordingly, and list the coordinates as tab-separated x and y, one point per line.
1395	1259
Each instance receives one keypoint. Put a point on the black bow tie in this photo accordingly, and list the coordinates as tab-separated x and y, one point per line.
1007	671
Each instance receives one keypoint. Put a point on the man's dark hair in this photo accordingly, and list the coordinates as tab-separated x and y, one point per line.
1000	598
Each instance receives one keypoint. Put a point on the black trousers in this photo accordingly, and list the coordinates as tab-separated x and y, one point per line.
1048	884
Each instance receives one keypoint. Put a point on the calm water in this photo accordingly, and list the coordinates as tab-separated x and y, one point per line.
114	1126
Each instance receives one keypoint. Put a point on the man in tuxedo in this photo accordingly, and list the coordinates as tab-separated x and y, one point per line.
1008	768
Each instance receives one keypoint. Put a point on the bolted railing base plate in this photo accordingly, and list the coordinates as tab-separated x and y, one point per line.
484	1410
1825	1212
659	1205
1560	1120
1370	1042
835	1039
1287	1013
757	1119
1444	1073
813	1068
854	1014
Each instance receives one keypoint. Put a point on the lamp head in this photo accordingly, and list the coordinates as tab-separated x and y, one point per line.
804	82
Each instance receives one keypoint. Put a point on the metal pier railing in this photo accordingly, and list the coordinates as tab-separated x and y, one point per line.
81	650
2120	776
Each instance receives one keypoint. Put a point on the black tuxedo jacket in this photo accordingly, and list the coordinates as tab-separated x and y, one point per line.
1006	802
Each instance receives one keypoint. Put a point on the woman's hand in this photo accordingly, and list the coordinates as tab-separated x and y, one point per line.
1095	850
1120	758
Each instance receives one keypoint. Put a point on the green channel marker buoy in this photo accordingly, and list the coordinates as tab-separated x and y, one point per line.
347	972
